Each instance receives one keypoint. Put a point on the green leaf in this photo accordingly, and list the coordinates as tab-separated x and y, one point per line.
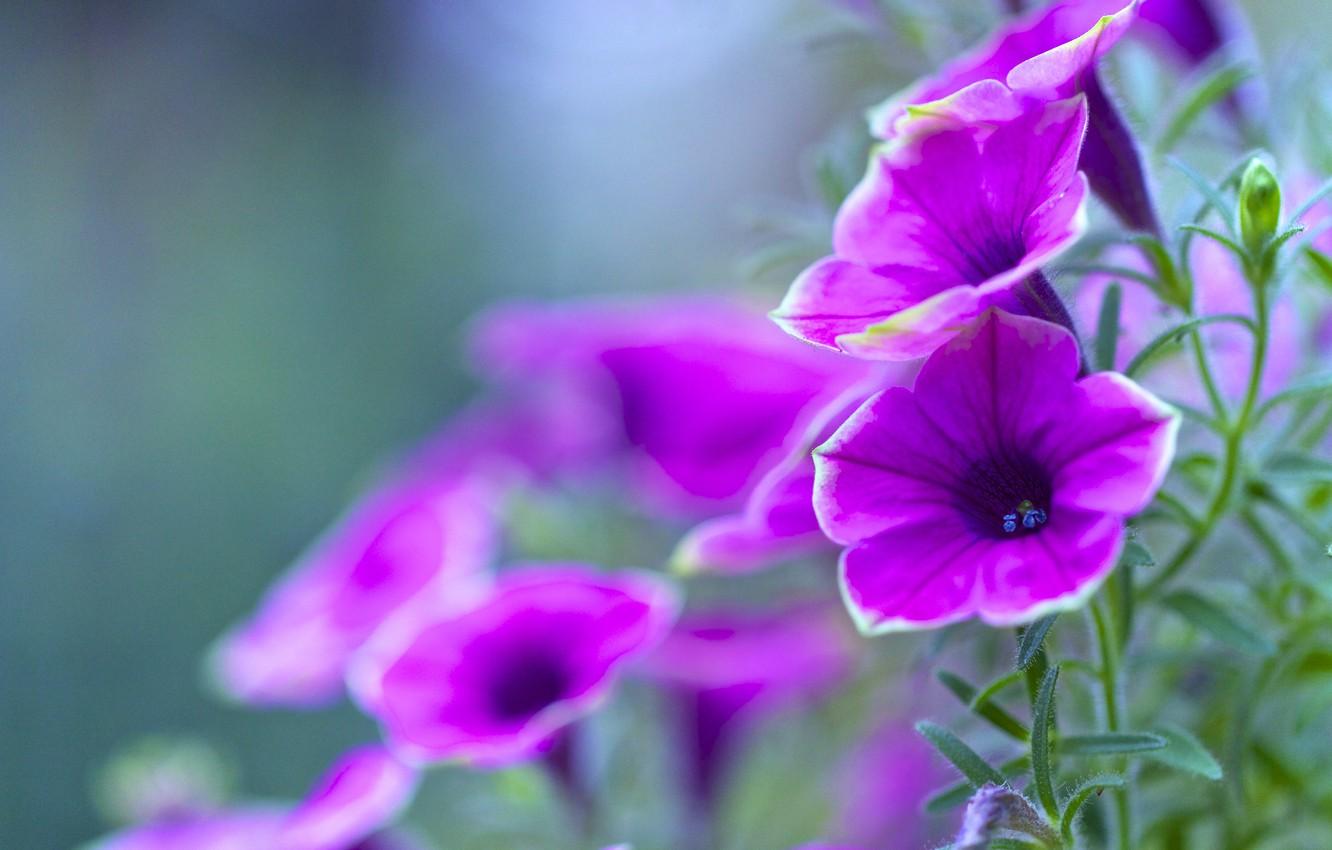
991	712
1109	743
1298	466
1206	189
1235	247
992	690
1013	844
1178	332
1185	752
964	758
1081	792
1209	617
1136	554
1312	385
833	186
1319	194
957	794
1209	90
1322	265
1033	636
1041	721
1107	328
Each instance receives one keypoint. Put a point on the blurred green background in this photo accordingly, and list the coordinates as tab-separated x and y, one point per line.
240	243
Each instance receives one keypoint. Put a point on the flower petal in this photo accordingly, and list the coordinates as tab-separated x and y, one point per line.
914	576
1115	446
887	466
362	792
1055	570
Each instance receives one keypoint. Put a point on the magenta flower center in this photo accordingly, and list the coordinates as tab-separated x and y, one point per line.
526	683
1004	495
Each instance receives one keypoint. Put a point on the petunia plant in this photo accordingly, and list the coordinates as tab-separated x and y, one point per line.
1004	522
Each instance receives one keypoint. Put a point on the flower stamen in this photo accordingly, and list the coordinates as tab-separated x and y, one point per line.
1031	517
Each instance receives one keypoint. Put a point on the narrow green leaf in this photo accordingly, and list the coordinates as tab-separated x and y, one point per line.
993	689
1185	752
1033	636
1041	721
1206	189
964	758
1195	102
1107	328
1218	622
1080	794
1298	466
1109	743
991	712
957	794
1177	333
1319	194
1322	265
1224	240
832	185
1281	239
1136	554
1313	385
1013	844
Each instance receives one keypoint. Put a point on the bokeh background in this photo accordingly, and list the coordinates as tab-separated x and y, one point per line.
240	242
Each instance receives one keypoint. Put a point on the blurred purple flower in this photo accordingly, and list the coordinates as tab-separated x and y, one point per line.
998	488
949	221
491	686
728	669
242	829
1219	288
884	782
1194	30
366	789
698	397
777	521
412	541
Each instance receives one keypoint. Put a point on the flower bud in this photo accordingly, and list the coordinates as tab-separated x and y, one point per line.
1259	206
994	809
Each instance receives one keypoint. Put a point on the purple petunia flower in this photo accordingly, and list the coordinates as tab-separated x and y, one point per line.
1050	53
411	541
492	685
366	789
1046	52
998	488
728	669
699	397
949	221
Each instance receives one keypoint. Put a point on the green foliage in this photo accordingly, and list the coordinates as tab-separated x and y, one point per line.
977	771
1209	617
1042	721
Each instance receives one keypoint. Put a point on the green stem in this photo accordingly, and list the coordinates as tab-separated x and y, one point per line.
1108	649
1208	379
1234	444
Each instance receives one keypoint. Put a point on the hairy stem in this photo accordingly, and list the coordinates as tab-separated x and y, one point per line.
1108	650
